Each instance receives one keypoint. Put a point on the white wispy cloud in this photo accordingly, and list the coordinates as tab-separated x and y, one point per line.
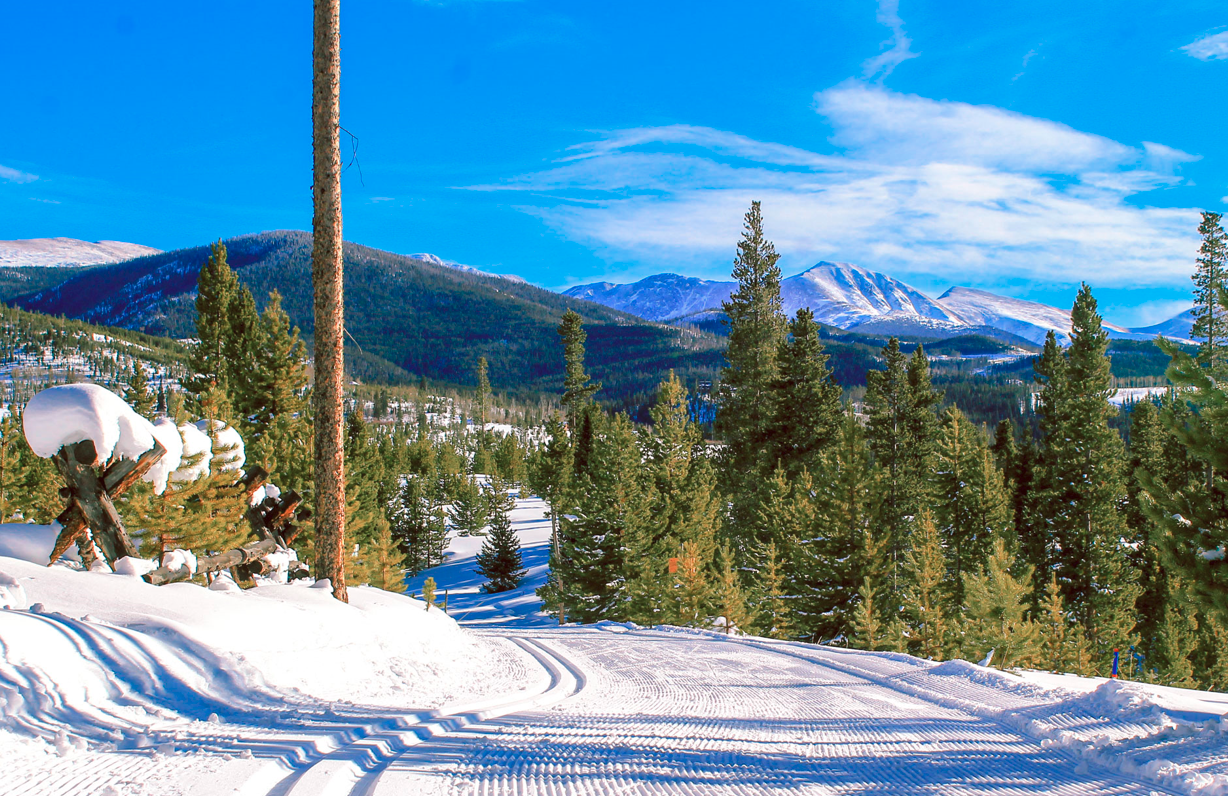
895	49
937	190
13	175
1209	48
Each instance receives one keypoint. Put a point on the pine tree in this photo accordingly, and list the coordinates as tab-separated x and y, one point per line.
138	395
1085	483
243	350
419	523
499	560
756	331
1176	639
832	560
900	404
204	515
610	507
550	474
281	377
867	627
1063	646
731	598
682	502
1192	517
692	588
996	612
382	564
215	289
29	485
925	568
470	509
578	390
775	615
805	399
1210	278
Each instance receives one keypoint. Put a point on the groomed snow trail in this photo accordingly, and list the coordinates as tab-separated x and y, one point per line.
670	713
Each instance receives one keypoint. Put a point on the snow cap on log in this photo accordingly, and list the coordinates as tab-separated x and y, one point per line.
165	431
72	413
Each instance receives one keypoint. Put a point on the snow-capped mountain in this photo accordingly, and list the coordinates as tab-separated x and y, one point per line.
67	252
661	297
846	296
850	297
1175	328
434	260
839	294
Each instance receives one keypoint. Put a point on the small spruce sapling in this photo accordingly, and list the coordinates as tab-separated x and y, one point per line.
499	559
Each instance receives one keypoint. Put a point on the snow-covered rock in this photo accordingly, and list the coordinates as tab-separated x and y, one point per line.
70	413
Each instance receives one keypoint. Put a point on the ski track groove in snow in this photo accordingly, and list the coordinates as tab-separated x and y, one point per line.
685	714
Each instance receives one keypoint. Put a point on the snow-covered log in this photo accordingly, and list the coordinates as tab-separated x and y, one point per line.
231	558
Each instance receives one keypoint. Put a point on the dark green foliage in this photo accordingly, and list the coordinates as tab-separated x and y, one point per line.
499	560
1083	482
805	399
216	288
138	395
756	333
900	404
608	506
1210	280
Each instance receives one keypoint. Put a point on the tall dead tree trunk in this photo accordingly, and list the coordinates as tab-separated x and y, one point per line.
326	273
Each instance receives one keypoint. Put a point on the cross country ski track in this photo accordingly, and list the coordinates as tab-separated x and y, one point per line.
615	710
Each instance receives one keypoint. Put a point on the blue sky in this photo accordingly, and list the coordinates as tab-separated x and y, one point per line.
1016	146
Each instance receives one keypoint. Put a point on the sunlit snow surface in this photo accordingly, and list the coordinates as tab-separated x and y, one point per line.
179	690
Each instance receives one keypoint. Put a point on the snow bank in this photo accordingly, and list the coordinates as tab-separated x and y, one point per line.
70	413
32	543
381	648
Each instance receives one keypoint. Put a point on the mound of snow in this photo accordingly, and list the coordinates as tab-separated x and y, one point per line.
380	648
32	543
71	413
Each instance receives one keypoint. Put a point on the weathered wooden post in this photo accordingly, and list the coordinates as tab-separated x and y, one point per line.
90	498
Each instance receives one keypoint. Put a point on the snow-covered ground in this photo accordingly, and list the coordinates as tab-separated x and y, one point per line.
458	576
1126	395
112	686
48	252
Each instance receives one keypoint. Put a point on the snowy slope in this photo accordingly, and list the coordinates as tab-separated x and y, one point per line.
840	294
458	576
118	688
1027	319
1175	328
661	297
68	252
434	260
850	297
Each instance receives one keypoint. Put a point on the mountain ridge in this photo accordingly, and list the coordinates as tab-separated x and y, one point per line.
853	298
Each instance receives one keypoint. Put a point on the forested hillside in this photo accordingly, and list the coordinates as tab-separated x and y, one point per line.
406	318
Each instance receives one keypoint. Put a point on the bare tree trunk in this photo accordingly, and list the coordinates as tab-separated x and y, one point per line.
326	270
